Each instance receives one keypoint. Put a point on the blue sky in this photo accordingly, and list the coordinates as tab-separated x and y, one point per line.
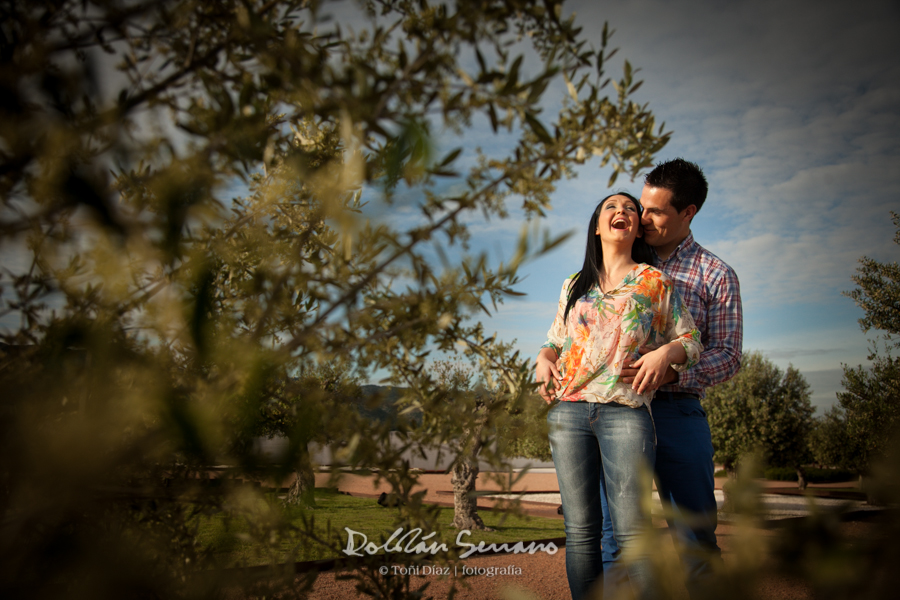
793	111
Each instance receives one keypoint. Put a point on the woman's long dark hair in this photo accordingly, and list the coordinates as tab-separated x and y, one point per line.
593	255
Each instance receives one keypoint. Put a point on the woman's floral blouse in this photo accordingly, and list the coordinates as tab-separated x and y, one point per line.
605	329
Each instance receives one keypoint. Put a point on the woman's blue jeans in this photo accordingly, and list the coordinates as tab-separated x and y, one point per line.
603	453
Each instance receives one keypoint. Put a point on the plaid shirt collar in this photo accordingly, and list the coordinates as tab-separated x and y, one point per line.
686	245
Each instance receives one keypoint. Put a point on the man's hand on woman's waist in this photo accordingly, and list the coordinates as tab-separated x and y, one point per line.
629	373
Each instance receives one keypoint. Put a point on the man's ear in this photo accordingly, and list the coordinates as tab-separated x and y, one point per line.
690	211
640	232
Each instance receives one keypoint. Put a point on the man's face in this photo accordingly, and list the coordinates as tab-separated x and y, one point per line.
664	227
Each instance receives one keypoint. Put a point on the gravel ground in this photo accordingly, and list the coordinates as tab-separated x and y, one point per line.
541	575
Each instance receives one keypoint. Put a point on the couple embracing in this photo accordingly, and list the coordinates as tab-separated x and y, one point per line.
651	316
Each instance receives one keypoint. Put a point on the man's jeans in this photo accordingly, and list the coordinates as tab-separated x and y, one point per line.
602	452
684	479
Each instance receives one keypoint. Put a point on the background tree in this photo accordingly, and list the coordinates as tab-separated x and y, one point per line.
304	409
871	410
194	194
471	406
764	410
787	422
870	404
831	444
479	417
466	411
878	291
733	410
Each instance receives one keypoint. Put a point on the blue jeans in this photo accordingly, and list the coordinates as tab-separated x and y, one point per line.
684	479
603	454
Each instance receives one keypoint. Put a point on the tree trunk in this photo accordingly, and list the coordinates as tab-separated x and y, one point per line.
301	491
465	473
801	478
465	507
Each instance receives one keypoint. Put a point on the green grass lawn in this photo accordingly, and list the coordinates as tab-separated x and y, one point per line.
231	540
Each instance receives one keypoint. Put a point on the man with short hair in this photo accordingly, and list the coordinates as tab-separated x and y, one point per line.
673	193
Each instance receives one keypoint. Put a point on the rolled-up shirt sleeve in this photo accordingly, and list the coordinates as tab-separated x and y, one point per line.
680	326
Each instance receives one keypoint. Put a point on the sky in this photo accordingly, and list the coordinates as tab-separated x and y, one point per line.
792	109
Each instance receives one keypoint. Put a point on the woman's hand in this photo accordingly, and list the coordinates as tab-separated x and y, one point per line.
652	366
547	374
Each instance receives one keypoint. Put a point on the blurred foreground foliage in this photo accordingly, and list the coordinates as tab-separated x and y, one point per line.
832	553
206	205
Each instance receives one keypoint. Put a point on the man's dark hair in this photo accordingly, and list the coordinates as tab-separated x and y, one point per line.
684	179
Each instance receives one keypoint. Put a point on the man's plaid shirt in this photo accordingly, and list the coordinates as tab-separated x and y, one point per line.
711	291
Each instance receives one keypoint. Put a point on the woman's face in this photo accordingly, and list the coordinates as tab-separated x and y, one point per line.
618	220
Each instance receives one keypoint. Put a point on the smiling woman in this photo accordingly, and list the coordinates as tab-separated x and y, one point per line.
593	255
619	220
601	433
